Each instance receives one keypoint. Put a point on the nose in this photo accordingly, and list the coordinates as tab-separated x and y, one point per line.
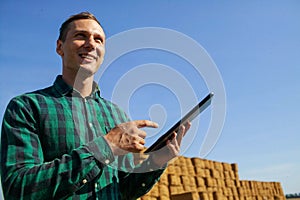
90	43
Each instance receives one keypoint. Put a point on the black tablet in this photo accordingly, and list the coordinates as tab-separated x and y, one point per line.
192	114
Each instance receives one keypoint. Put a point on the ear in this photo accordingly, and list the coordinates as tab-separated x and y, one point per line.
59	49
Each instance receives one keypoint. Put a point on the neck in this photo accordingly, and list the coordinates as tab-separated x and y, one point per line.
83	84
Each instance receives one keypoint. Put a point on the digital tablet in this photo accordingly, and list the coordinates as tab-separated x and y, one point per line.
192	114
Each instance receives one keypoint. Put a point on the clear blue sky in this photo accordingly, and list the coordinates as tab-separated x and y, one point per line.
255	45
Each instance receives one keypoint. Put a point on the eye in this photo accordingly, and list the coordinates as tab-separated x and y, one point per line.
98	39
80	35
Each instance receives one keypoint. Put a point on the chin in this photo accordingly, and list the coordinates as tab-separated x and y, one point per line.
87	70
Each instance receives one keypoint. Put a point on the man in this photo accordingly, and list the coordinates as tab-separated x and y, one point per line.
62	142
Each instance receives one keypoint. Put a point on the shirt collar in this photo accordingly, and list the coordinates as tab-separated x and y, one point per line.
66	90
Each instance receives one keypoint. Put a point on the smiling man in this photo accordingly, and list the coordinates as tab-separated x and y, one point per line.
64	141
81	46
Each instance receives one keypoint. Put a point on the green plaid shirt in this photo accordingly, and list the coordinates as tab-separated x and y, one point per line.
52	147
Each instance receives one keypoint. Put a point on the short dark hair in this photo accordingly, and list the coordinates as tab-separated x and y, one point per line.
65	26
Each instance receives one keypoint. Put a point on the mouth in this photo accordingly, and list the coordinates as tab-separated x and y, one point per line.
87	57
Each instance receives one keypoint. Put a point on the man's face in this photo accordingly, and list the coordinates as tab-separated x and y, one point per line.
83	48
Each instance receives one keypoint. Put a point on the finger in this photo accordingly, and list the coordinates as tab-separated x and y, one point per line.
173	147
142	134
137	148
136	144
183	129
181	133
187	125
174	135
138	132
141	141
145	123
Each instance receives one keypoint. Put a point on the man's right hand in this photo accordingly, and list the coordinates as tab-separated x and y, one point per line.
128	137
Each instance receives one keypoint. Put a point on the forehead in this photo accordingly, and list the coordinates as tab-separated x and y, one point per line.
86	25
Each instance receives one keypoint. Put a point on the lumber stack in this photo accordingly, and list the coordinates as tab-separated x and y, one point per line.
195	178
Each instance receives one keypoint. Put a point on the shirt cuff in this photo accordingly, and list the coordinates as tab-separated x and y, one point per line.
149	166
153	166
101	151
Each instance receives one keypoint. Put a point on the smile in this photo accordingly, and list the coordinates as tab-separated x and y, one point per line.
87	56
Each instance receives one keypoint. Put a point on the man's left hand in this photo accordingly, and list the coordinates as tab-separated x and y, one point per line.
172	149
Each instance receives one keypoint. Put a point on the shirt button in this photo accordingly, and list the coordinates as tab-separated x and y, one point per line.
96	185
143	184
91	125
84	181
107	161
